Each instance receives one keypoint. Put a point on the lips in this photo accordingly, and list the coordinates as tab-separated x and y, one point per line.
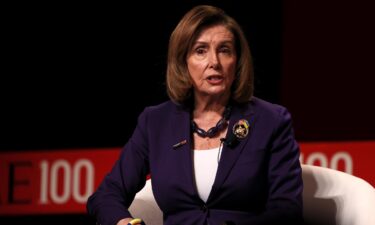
215	79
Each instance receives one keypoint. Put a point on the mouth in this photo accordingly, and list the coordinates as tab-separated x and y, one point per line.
215	79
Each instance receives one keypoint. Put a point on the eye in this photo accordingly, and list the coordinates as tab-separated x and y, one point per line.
226	50
200	50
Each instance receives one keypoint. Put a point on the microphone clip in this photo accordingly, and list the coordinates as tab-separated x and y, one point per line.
230	142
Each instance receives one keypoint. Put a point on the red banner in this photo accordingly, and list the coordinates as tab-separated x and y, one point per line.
60	181
356	158
51	182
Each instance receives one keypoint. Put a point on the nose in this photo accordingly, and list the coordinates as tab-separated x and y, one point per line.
213	60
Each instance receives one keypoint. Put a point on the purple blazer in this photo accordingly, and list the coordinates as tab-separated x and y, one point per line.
258	180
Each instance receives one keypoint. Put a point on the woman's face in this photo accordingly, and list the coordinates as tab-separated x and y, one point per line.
212	61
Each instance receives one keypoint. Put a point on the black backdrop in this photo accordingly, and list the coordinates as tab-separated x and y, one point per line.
328	72
79	75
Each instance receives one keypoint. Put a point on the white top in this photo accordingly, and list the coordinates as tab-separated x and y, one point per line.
205	167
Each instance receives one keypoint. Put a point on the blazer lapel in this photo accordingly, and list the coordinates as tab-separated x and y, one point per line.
182	146
230	154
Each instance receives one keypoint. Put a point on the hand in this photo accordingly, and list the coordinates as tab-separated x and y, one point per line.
131	221
124	221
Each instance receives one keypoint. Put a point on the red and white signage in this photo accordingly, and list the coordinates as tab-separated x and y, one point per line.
356	158
51	181
60	181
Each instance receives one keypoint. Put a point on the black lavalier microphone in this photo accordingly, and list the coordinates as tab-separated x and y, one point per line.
230	141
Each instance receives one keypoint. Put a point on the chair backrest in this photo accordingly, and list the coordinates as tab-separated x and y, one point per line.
331	197
145	207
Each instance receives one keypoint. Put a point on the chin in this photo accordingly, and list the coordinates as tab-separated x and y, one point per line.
217	93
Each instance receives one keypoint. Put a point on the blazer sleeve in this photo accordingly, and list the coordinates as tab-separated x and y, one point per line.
284	205
111	200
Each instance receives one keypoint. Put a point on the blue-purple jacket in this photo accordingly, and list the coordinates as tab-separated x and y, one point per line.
258	180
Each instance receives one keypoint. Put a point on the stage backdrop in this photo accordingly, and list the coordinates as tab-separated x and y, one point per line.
60	181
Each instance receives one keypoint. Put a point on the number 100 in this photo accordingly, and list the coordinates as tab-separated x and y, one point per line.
71	183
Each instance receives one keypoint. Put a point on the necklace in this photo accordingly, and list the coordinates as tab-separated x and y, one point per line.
213	130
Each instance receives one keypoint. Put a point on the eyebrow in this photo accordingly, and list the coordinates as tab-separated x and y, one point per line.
222	42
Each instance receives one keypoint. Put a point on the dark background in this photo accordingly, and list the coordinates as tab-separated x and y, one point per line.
328	74
78	75
81	74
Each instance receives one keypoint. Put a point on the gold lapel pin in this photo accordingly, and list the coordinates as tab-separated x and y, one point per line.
241	129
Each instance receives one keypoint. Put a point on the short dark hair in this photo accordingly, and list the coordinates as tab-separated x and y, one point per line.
179	83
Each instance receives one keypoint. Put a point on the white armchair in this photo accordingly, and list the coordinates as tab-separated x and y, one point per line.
330	197
145	207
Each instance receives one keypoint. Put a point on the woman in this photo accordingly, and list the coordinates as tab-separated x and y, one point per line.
215	153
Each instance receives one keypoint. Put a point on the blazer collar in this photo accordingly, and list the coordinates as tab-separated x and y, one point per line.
230	154
181	134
